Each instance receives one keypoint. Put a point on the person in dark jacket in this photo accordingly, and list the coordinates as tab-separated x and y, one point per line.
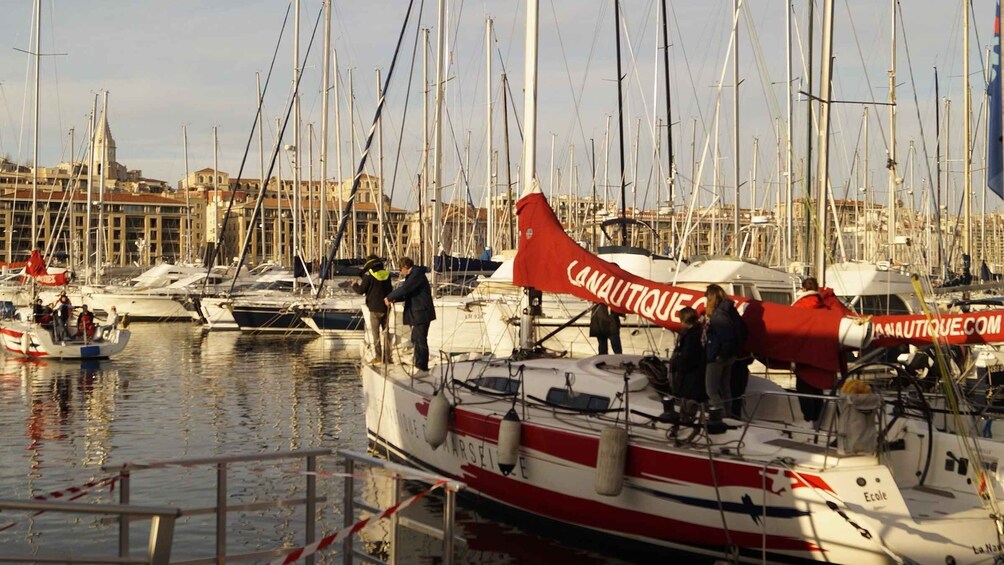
374	283
687	361
722	344
605	325
419	311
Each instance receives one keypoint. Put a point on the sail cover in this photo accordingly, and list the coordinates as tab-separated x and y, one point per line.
551	261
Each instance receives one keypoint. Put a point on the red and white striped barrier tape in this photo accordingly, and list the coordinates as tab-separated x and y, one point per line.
339	535
71	493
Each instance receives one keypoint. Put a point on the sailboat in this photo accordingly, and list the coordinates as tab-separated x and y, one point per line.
591	444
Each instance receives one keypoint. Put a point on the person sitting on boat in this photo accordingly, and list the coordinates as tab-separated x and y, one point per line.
110	324
61	317
374	282
687	364
40	313
723	337
85	323
419	310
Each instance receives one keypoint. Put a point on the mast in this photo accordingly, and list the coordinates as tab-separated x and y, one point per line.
967	156
529	169
381	240
188	206
438	134
789	250
892	137
669	126
100	257
325	87
735	124
808	132
352	159
424	196
297	213
88	274
216	196
261	162
34	165
338	142
510	205
280	241
826	74
620	117
489	181
311	253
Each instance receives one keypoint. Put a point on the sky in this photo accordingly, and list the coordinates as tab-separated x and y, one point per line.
185	63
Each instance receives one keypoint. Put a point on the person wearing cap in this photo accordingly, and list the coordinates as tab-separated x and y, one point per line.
374	283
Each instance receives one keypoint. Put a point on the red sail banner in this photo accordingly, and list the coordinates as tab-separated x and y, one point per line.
954	329
35	268
549	260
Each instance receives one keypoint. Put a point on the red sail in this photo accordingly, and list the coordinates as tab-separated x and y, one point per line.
954	329
35	268
35	265
549	260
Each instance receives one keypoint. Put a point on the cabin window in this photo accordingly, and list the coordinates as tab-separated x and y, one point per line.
504	385
777	297
884	304
562	397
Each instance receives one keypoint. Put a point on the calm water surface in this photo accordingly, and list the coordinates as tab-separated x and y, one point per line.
178	392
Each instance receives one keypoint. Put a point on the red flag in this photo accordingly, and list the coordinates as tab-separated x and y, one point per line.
36	264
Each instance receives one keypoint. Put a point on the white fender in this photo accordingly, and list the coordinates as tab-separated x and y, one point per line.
25	343
437	420
610	459
509	435
855	333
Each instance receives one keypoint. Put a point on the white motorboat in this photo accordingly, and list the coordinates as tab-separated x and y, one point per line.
29	339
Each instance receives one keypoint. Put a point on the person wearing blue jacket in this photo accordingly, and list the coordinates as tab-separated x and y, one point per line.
722	345
419	311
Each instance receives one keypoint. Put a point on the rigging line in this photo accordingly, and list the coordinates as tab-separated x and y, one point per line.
512	98
868	81
576	96
404	117
460	157
761	63
55	72
349	202
690	71
920	122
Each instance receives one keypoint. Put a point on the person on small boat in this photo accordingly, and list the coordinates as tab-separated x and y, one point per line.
110	324
687	364
723	337
374	283
40	313
61	317
85	323
419	311
605	326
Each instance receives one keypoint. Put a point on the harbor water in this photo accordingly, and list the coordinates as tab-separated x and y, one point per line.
178	392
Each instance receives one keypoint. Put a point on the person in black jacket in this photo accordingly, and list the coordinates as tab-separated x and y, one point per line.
605	325
687	361
419	311
374	282
722	344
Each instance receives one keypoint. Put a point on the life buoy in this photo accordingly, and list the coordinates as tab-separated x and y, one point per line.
610	459
437	420
509	436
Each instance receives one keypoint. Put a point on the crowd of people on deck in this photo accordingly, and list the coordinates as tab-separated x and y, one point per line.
56	317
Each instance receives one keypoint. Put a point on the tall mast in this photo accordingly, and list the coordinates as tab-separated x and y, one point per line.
823	180
489	184
438	133
100	258
34	164
735	124
88	274
338	141
510	205
381	240
529	169
892	136
967	156
188	206
261	162
325	86
297	213
809	131
217	239
352	160
424	192
789	250
671	172
620	119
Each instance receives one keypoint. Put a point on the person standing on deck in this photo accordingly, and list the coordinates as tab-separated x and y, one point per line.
605	325
723	339
419	311
61	316
374	283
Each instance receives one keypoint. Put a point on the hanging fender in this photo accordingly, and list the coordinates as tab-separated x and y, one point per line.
509	437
